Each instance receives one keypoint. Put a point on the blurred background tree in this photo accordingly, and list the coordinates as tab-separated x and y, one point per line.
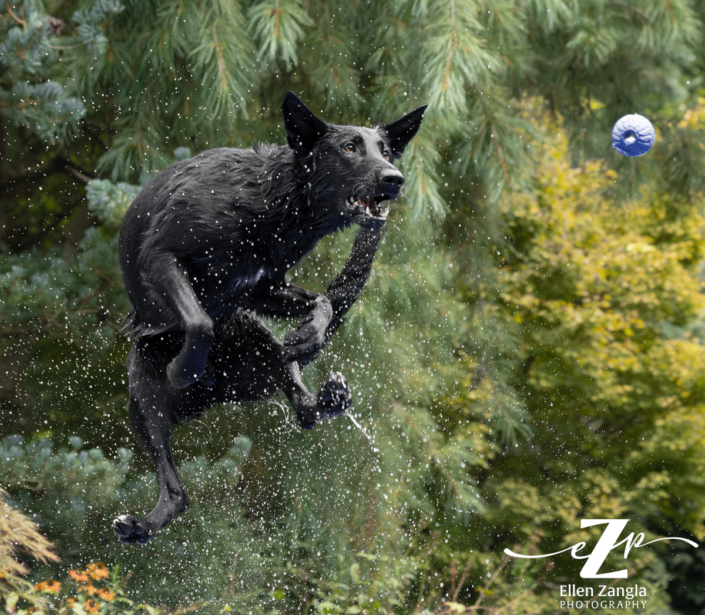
527	353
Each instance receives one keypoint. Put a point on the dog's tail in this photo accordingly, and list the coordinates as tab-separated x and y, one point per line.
130	323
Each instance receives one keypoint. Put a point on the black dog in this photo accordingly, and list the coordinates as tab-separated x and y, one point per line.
204	250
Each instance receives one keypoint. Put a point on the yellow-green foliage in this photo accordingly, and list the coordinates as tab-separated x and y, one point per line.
602	297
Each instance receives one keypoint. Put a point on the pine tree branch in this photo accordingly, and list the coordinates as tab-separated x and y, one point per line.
39	237
527	365
483	591
57	164
477	142
87	127
633	9
80	174
22	22
494	140
96	292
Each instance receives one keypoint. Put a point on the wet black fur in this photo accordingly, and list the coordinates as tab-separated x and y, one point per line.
204	250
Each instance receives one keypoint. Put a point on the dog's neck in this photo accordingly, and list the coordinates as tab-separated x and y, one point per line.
295	219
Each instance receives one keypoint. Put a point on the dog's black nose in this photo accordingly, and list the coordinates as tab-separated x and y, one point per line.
393	178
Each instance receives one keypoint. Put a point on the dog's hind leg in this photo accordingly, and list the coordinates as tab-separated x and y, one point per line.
151	418
170	279
249	363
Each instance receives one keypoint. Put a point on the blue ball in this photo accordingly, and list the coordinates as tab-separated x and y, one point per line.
633	135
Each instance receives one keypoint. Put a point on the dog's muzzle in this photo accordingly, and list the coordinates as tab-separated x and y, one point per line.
370	206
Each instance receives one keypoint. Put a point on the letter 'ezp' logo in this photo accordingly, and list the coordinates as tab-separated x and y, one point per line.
607	542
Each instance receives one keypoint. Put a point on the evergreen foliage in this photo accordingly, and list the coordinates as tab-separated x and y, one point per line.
527	352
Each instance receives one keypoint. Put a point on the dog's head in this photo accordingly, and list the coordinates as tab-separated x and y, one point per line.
350	168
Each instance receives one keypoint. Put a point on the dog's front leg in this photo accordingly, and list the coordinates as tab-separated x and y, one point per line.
310	336
344	290
280	298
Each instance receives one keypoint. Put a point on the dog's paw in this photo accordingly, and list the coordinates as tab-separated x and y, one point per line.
310	337
129	530
334	398
303	342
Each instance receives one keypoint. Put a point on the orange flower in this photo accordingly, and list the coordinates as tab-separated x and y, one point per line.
98	570
78	575
91	606
48	586
89	589
106	595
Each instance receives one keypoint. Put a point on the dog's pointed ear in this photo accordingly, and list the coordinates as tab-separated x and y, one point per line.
303	128
400	132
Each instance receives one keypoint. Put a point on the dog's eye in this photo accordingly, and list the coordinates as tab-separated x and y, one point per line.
385	155
349	148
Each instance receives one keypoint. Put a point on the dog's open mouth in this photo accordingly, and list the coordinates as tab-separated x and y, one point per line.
370	206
